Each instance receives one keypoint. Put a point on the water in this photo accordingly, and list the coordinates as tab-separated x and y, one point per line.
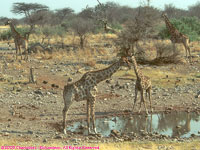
175	124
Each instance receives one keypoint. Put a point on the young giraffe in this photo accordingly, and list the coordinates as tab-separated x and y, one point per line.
176	36
85	89
143	83
19	41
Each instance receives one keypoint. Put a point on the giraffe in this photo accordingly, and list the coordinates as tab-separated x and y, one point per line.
19	41
176	36
143	83
86	88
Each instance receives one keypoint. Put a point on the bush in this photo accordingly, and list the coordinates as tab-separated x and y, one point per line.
166	54
5	35
186	25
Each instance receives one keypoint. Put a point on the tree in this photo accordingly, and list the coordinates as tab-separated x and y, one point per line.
28	9
138	29
103	14
173	12
81	27
63	13
61	32
194	10
3	20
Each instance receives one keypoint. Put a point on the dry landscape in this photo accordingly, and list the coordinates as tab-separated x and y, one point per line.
63	45
32	112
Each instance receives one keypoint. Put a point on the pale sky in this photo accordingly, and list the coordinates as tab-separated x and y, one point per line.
78	5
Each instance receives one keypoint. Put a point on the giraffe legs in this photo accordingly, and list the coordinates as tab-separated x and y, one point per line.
26	50
143	100
91	110
93	114
88	115
16	47
67	95
136	92
187	51
149	93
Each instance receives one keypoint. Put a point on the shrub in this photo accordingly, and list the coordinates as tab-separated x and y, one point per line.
5	35
166	54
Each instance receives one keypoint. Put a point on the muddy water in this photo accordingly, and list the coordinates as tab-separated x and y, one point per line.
175	124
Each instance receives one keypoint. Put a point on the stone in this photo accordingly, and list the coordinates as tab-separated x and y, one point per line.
58	137
45	82
70	79
30	132
115	132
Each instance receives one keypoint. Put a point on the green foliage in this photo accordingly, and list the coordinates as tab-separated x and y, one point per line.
186	25
116	26
48	31
60	31
5	35
23	31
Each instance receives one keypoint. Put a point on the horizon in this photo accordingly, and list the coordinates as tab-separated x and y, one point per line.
59	4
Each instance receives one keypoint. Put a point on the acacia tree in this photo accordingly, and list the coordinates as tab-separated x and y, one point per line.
138	29
82	27
28	9
194	10
63	13
103	14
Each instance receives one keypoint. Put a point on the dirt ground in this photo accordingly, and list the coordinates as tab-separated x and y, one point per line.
33	111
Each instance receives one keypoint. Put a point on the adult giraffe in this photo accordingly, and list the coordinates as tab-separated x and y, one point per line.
19	40
176	36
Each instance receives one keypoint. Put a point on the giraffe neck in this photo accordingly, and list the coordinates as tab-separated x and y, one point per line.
169	26
135	67
107	72
13	30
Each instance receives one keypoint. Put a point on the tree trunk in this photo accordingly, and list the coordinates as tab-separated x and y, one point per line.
31	78
82	42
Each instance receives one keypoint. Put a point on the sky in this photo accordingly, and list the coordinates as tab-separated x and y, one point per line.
78	5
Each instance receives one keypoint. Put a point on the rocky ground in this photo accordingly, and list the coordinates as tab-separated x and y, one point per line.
33	111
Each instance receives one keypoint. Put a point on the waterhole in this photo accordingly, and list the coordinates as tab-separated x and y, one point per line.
174	124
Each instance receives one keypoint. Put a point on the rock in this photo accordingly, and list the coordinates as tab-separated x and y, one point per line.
115	132
30	132
117	84
112	87
44	82
58	137
39	92
6	134
45	140
70	79
107	81
54	86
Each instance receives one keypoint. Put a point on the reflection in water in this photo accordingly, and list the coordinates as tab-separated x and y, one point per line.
180	124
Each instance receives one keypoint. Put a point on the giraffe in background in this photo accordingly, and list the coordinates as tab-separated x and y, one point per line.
85	89
19	40
176	36
143	83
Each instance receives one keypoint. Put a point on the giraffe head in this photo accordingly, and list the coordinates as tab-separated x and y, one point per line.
8	22
126	61
164	15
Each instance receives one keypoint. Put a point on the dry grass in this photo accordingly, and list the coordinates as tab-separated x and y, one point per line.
144	145
162	77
